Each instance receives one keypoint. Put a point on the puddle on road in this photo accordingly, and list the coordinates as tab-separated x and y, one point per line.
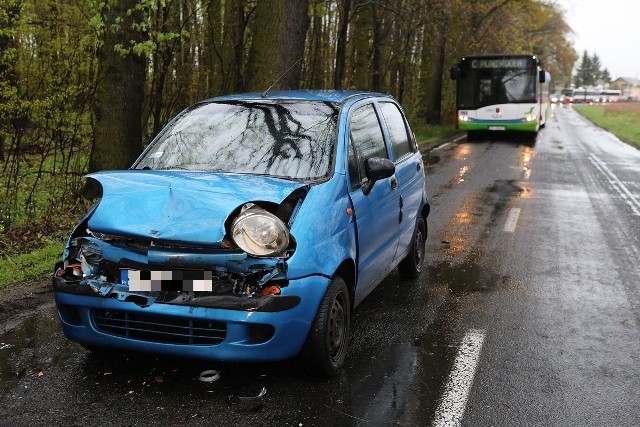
465	277
430	158
27	349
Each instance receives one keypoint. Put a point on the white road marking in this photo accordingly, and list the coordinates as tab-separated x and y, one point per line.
456	391
617	185
449	144
512	220
443	146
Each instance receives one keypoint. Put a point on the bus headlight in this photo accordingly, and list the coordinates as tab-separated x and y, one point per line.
463	118
530	118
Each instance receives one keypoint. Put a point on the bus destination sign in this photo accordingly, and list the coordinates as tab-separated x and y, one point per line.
500	63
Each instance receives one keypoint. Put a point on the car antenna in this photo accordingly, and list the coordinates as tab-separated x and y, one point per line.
264	94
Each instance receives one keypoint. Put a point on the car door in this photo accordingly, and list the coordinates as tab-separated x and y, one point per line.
409	171
377	211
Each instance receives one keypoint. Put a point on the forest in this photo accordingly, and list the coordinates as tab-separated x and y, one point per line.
86	84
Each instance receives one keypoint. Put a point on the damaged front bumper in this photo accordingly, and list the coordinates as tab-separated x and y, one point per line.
240	318
237	334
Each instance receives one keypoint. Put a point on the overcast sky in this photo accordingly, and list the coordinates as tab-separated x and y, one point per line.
610	28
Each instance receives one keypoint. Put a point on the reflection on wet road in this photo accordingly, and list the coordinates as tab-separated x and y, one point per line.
527	314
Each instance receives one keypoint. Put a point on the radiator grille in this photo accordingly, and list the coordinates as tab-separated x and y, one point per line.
158	328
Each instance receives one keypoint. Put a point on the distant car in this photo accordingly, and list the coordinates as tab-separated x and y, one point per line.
248	230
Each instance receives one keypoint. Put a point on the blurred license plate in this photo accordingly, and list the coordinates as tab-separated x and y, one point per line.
496	127
141	280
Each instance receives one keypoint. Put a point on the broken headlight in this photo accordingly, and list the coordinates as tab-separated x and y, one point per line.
259	232
90	256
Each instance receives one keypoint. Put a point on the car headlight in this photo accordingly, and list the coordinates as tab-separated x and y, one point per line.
259	232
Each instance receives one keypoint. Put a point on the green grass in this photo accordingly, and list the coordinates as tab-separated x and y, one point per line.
431	134
621	119
20	268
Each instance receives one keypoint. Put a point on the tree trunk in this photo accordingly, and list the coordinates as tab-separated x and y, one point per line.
264	55
376	48
295	33
341	47
119	94
432	63
278	44
316	78
211	75
233	55
362	45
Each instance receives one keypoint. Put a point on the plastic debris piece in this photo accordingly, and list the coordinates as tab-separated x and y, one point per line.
253	402
209	376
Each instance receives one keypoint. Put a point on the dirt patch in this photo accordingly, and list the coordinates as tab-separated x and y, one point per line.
21	300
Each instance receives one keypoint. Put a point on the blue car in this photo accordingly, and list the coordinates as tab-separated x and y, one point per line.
248	230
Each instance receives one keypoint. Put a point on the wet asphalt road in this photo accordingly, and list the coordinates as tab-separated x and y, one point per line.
527	315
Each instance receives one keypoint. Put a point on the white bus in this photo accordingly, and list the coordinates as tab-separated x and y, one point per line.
610	95
501	93
591	96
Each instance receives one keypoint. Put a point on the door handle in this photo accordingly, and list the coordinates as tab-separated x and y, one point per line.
394	182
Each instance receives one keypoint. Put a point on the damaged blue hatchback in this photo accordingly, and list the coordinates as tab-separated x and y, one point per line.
248	230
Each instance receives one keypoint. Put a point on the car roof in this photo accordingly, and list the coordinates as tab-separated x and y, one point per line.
338	96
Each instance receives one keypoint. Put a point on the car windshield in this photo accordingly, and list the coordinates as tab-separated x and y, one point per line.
287	139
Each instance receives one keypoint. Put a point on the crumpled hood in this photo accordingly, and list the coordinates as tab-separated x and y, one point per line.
188	207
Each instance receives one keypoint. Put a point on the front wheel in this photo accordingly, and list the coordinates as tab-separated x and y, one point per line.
411	266
326	347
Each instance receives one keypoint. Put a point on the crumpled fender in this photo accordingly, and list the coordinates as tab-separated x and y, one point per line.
178	206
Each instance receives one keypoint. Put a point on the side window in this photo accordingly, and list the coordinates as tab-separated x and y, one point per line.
367	137
397	129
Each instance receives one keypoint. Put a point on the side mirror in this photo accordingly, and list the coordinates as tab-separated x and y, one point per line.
377	168
454	72
542	76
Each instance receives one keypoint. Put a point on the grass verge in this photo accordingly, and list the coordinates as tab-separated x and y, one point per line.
621	119
431	134
19	268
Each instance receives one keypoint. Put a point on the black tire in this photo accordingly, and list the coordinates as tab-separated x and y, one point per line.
411	266
326	347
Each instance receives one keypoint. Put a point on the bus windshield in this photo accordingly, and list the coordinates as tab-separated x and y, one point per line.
492	81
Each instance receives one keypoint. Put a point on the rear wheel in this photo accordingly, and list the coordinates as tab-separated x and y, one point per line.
411	266
326	347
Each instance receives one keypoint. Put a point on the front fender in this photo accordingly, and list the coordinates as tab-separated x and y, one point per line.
325	234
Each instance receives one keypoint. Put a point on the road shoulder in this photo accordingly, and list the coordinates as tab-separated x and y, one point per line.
21	300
